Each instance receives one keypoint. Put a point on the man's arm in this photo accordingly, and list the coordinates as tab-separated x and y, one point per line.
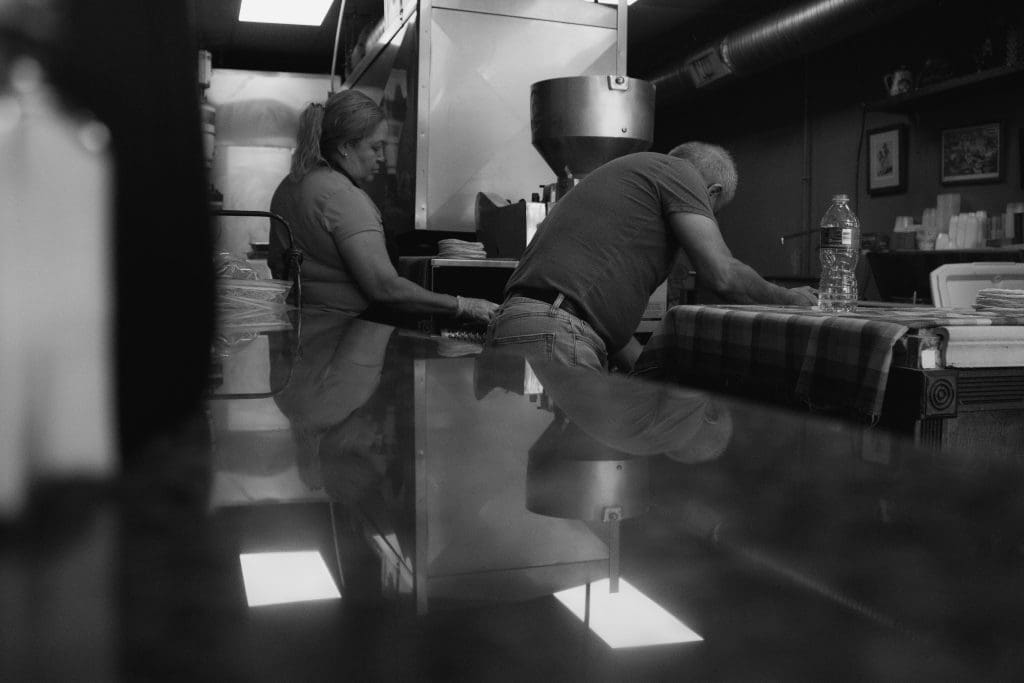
625	358
717	269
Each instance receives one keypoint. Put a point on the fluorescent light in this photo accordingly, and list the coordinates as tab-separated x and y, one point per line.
275	578
627	618
613	2
297	12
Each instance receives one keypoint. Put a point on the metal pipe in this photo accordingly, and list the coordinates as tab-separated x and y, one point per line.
783	35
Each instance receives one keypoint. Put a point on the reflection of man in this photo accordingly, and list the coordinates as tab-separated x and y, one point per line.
583	283
639	418
633	417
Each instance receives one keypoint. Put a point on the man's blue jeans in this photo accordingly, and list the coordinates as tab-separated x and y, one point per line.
536	329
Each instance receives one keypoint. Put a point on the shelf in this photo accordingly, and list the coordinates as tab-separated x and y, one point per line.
980	251
912	99
440	262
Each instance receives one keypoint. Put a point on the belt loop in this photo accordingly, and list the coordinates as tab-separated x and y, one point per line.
558	301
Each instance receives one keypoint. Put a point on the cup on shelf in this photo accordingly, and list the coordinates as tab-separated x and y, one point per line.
926	239
903	224
899	81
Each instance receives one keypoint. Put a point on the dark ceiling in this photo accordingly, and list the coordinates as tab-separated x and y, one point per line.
658	30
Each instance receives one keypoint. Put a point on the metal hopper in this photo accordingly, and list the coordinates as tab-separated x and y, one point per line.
580	122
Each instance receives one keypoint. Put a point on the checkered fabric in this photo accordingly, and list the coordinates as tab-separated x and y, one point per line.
830	362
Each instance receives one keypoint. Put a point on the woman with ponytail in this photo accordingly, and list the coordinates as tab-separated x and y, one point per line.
337	226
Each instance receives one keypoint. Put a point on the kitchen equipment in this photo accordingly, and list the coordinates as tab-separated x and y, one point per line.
957	285
506	229
578	123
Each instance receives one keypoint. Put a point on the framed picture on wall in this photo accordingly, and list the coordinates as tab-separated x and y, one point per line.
972	154
887	160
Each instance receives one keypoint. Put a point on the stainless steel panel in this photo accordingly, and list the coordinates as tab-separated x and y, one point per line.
474	505
481	67
563	11
422	80
257	116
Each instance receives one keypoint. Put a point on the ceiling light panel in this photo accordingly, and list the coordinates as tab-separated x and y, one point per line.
294	12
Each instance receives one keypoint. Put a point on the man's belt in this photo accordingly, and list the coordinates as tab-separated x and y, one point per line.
549	296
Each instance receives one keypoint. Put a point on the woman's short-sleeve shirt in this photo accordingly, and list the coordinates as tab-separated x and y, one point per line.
324	209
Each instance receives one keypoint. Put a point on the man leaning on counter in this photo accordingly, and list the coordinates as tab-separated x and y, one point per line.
586	278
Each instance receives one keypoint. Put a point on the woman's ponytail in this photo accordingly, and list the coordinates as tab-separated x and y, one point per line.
346	117
307	155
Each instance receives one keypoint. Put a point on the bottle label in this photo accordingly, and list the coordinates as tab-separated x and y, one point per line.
835	236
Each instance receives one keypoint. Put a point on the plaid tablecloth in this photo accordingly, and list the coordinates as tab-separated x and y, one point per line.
831	362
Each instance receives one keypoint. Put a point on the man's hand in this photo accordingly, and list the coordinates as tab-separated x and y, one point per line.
624	359
809	295
475	310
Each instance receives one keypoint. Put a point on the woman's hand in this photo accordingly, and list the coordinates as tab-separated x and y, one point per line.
476	310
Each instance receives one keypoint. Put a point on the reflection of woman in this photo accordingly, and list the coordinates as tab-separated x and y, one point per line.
338	227
337	398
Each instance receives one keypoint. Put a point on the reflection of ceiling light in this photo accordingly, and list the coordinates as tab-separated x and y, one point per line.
627	618
274	578
395	569
613	2
299	12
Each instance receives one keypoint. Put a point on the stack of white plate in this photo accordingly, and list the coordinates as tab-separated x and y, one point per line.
1000	298
461	249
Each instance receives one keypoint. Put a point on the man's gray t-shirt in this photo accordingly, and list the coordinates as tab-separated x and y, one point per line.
607	244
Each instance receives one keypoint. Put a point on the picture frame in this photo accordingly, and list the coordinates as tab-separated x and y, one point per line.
887	160
972	154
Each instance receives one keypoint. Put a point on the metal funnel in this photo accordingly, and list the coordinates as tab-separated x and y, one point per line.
581	122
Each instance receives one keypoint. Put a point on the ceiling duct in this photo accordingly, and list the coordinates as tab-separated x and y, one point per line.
781	36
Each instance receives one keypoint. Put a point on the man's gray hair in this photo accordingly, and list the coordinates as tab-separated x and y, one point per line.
713	163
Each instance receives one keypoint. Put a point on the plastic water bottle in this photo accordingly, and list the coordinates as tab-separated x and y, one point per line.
838	252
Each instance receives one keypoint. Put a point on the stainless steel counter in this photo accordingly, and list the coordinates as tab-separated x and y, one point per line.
475	511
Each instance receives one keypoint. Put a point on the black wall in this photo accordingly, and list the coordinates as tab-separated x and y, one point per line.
796	129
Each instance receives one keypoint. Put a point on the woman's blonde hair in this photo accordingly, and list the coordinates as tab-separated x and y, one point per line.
347	116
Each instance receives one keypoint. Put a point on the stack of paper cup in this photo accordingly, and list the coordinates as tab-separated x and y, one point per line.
947	206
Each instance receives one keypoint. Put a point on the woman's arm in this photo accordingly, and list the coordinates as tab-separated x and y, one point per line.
366	257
